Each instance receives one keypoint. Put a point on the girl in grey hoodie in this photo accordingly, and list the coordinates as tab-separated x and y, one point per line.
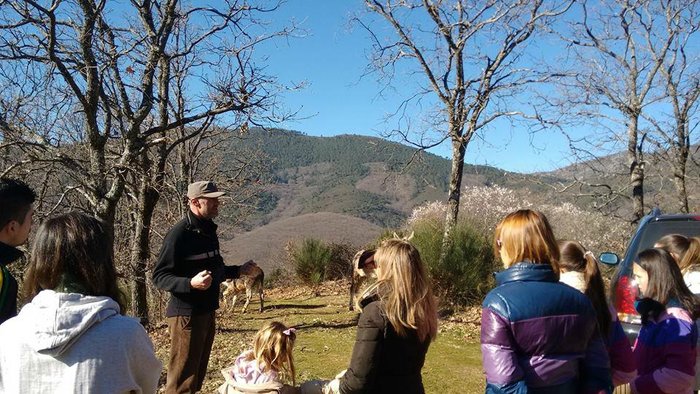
72	337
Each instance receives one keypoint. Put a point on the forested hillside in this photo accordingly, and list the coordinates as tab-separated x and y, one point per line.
367	177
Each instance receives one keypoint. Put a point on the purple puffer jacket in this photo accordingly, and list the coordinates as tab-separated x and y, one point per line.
665	352
541	335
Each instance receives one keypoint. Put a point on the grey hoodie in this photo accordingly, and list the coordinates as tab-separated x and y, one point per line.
71	343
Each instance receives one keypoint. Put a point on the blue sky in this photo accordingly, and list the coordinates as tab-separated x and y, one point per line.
331	57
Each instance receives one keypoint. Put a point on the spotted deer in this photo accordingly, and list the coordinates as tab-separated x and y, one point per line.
250	279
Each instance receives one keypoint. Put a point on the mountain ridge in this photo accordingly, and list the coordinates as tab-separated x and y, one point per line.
367	178
363	176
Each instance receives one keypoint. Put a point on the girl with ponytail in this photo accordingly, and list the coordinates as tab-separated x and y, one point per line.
579	269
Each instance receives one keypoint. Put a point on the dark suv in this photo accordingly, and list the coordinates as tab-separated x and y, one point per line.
623	289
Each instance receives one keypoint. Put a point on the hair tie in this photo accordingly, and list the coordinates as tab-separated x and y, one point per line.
588	253
289	331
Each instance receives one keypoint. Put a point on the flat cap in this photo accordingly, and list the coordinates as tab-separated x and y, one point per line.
206	189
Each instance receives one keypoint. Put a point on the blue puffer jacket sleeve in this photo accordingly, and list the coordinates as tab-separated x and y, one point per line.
596	373
622	361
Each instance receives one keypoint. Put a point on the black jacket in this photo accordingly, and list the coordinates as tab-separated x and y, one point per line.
8	288
382	361
189	248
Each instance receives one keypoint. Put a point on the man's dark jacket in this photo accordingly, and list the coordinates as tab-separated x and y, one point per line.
382	361
8	289
190	247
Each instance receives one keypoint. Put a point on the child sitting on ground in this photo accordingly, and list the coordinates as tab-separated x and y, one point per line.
258	370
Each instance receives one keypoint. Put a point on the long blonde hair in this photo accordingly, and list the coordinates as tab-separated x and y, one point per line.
272	349
404	289
526	236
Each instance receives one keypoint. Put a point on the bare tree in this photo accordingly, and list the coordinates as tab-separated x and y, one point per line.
101	83
612	81
105	70
679	77
240	80
469	56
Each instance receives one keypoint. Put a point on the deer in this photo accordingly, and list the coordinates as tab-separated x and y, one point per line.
364	268
250	279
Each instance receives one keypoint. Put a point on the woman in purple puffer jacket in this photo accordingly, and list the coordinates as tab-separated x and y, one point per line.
538	335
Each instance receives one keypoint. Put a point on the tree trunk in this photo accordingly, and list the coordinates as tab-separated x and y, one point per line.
106	210
636	167
148	197
140	251
679	172
679	181
680	160
458	151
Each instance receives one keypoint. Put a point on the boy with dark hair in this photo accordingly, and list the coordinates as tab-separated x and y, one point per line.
16	212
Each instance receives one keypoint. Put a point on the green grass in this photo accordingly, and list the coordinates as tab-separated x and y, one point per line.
325	337
453	365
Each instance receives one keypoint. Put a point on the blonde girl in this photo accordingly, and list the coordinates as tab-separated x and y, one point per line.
263	366
397	323
538	334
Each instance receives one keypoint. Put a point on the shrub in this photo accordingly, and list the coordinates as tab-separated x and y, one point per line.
278	277
485	206
310	259
315	261
597	232
466	274
340	264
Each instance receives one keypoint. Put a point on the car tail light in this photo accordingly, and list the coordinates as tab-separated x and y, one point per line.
625	295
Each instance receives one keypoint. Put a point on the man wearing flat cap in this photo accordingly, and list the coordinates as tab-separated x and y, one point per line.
191	268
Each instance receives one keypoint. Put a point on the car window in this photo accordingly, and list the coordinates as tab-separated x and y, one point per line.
654	230
624	288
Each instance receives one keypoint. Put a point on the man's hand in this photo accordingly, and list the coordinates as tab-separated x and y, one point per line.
201	281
